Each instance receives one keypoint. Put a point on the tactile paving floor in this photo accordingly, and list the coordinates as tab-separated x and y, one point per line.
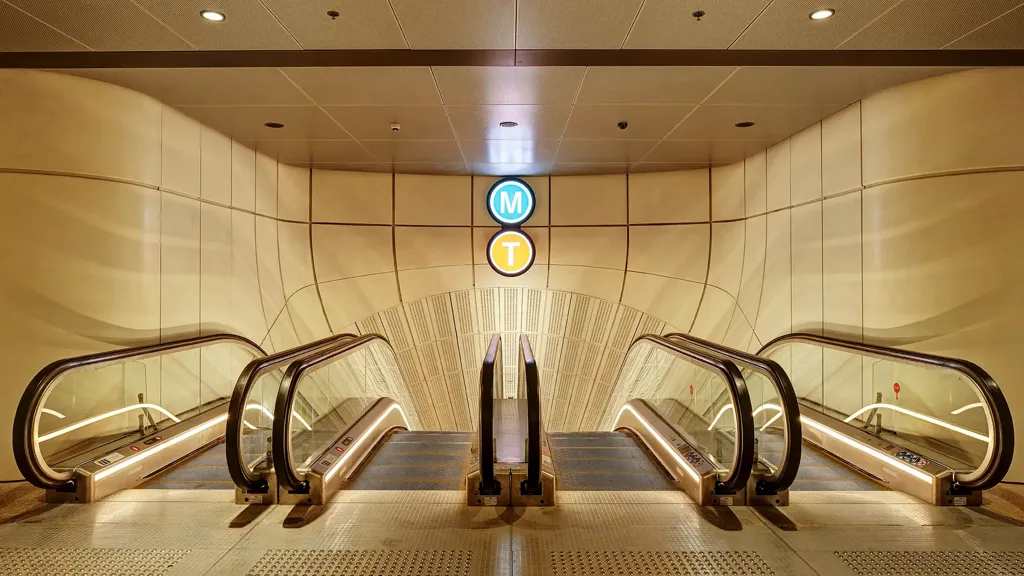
908	563
364	563
98	562
657	563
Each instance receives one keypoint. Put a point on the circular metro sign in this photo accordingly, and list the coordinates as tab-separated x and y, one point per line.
510	252
511	201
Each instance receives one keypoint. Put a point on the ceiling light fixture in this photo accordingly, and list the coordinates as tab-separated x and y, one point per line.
822	14
273	125
747	124
212	15
509	124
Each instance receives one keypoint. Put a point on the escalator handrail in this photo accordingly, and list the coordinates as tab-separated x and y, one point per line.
743	449
1000	421
281	441
26	419
789	464
531	377
237	467
491	366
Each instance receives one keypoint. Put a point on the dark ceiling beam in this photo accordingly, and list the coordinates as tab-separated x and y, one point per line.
338	58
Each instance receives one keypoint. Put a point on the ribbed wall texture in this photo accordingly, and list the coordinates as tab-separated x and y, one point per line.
125	222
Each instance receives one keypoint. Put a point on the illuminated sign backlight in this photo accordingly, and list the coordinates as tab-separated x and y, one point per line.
511	202
510	252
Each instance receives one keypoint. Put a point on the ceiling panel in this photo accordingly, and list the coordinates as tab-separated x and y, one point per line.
535	122
508	85
670	166
574	23
458	24
367	86
509	151
705	151
247	122
1007	32
248	25
671	24
20	32
366	24
650	84
344	166
436	151
114	25
813	85
627	151
374	122
205	86
570	168
427	168
299	151
927	24
771	122
786	24
522	169
643	121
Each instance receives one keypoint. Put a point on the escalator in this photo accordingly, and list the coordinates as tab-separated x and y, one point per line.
343	419
680	417
879	418
89	426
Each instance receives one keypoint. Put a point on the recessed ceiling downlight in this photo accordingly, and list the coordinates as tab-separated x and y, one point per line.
509	124
823	14
212	15
273	125
747	124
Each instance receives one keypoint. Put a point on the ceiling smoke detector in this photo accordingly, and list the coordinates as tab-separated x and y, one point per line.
823	14
746	124
273	125
212	15
509	124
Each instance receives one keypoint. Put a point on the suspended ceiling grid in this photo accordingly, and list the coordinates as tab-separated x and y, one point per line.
166	25
568	117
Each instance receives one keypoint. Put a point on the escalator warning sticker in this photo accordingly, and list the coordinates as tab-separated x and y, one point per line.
911	458
110	459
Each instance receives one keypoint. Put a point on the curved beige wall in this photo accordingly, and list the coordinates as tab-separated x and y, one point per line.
125	222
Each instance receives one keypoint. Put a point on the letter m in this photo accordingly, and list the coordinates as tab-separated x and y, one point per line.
513	205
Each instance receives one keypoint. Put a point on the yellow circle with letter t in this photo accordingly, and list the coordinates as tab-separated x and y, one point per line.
510	252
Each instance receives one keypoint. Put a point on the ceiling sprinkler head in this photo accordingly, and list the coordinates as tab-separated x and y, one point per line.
623	125
395	127
333	14
698	15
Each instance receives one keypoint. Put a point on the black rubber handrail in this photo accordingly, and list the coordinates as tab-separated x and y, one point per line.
490	375
743	448
529	374
281	440
239	470
783	476
26	449
1000	447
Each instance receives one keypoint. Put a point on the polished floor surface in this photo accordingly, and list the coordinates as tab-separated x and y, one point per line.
431	532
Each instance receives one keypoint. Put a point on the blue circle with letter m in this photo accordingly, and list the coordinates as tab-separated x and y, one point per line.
510	201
